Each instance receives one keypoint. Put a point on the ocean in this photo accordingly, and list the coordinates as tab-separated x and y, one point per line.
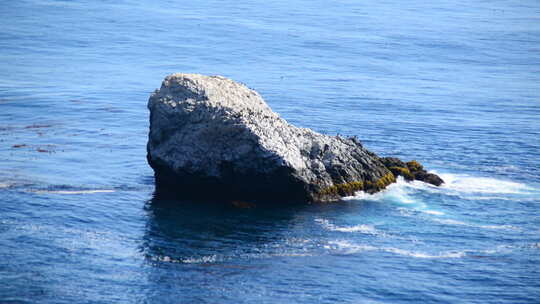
452	84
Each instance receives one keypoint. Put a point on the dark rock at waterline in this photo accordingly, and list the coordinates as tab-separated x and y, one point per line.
429	178
393	162
213	138
412	170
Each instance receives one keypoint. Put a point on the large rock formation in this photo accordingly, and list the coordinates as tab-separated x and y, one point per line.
213	138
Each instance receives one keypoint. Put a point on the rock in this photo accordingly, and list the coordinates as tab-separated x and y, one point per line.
401	171
429	178
393	162
397	167
412	170
213	138
422	175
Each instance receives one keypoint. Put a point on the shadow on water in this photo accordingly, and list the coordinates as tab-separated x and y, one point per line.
190	232
201	251
220	251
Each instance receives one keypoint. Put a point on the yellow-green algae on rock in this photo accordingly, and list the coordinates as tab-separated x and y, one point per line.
414	166
402	171
411	170
381	183
343	189
347	189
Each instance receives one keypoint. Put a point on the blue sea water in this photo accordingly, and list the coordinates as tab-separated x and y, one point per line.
453	84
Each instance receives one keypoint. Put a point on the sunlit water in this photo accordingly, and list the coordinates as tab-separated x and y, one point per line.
453	84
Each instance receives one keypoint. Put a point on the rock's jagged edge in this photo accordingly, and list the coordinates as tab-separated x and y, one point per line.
410	171
214	139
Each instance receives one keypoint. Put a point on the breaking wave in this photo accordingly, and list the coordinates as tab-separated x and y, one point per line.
454	183
485	185
402	193
460	185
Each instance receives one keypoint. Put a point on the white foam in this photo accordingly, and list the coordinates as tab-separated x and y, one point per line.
396	192
190	260
433	212
347	247
357	228
457	184
460	223
422	255
292	254
4	185
507	227
200	260
451	222
470	184
402	193
167	259
73	191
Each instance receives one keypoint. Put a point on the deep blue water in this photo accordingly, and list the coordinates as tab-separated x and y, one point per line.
453	84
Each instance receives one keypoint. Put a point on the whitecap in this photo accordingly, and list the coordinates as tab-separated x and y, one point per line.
200	260
433	212
508	227
396	192
422	255
402	193
362	228
451	222
460	223
470	184
188	260
292	254
462	185
347	247
73	191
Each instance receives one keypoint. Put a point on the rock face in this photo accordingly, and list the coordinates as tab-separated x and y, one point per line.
213	138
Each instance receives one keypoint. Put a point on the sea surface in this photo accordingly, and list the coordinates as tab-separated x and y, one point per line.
452	84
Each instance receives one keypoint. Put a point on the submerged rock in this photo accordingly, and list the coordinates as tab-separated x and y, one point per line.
213	138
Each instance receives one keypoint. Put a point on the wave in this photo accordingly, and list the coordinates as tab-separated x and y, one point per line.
460	223
402	193
466	187
454	184
464	183
189	260
73	191
35	187
201	260
347	247
433	212
363	228
396	192
211	259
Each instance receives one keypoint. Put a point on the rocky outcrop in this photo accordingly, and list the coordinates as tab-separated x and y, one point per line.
213	138
412	170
